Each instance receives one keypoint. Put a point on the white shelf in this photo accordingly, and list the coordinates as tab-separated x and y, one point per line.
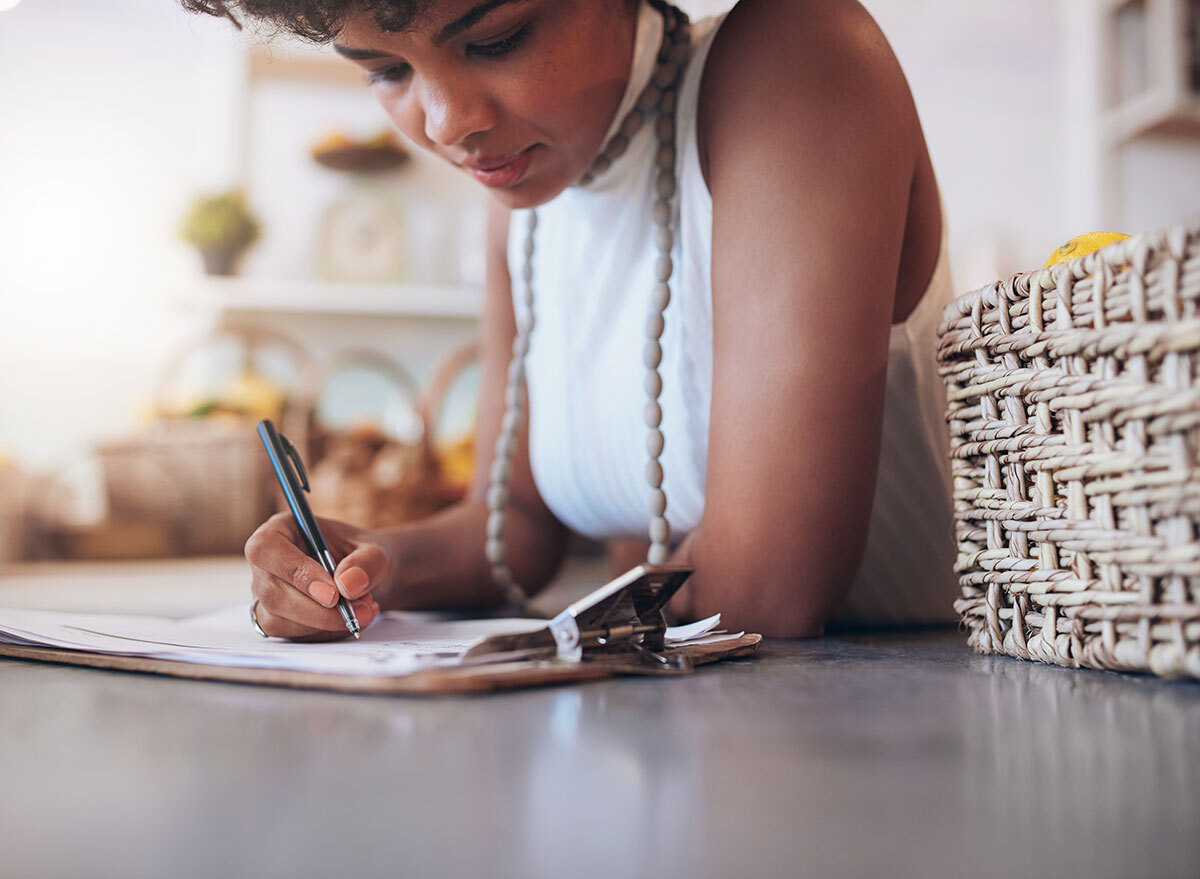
1153	114
1148	72
239	294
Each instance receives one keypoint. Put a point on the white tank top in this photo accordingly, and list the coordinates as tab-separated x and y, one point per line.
593	271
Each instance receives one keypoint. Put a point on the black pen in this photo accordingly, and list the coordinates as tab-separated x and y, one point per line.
294	482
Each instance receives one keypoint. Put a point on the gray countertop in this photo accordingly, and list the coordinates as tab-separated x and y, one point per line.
868	755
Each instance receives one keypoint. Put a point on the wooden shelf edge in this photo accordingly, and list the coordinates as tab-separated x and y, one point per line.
447	301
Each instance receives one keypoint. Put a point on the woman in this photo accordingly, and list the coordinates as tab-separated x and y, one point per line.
760	186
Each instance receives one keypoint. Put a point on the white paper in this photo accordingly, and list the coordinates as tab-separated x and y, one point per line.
396	643
692	631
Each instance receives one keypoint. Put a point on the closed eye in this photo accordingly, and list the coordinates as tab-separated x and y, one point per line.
501	46
396	73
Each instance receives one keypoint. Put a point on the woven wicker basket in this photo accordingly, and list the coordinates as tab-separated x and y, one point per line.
1074	414
207	479
364	476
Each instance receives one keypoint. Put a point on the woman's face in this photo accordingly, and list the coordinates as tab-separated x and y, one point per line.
518	93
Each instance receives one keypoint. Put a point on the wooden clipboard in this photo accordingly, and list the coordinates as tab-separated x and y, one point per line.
619	629
486	678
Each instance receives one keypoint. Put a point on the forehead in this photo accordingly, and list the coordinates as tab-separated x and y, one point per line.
434	21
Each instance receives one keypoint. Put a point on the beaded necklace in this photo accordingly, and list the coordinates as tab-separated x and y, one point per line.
658	97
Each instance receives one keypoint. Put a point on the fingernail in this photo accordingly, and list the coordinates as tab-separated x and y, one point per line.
323	592
353	580
364	606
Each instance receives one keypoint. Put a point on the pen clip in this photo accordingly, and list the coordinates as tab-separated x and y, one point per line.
295	456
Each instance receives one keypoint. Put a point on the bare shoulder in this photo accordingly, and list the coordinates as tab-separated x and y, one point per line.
802	74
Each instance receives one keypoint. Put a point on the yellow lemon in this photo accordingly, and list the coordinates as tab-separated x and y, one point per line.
1081	244
254	395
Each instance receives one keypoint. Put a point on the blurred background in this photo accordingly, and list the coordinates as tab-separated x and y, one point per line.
198	230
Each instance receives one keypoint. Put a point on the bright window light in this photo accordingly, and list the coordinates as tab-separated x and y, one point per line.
6	5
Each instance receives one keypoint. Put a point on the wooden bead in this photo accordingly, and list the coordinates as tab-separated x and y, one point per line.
654	443
680	51
497	497
632	122
666	73
665	159
654	474
652	357
514	401
527	273
516	372
503	576
500	470
602	164
495	525
528	245
653	415
514	594
660	530
664	238
653	384
665	128
510	422
649	98
495	551
663	268
662	212
665	184
655	326
662	296
617	146
658	502
520	345
532	221
667	104
659	554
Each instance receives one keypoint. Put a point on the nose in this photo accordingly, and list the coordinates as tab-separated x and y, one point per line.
454	110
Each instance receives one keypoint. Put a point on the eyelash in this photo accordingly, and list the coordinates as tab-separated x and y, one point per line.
502	46
487	50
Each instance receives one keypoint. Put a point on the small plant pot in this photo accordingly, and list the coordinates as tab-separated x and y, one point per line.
222	263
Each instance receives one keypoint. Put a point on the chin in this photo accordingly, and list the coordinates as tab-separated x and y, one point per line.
530	194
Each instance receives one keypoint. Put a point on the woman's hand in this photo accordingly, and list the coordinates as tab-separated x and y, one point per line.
295	596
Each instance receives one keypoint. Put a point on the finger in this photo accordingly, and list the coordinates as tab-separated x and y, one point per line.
285	601
278	626
273	549
339	535
363	570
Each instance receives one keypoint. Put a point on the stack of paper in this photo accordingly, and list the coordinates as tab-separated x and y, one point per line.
395	644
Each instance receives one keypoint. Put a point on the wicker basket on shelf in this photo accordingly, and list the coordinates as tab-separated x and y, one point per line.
364	475
1074	415
203	475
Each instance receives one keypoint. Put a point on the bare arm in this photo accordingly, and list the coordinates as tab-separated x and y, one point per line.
440	562
810	139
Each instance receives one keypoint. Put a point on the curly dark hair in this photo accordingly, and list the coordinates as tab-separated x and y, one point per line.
318	21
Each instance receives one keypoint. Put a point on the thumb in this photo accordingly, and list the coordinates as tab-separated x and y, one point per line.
363	570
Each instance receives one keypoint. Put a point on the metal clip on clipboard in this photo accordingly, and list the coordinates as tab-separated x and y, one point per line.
621	624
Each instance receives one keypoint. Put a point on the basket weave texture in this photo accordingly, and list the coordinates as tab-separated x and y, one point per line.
1074	416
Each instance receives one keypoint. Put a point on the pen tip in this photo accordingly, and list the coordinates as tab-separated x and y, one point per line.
356	635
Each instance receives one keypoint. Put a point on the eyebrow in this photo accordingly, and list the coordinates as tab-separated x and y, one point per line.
464	22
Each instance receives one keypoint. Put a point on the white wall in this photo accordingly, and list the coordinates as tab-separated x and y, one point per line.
115	112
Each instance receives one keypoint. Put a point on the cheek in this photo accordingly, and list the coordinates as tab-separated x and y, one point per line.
406	114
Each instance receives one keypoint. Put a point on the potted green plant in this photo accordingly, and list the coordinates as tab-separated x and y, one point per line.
222	227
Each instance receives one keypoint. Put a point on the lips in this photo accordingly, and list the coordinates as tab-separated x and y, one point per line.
500	172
